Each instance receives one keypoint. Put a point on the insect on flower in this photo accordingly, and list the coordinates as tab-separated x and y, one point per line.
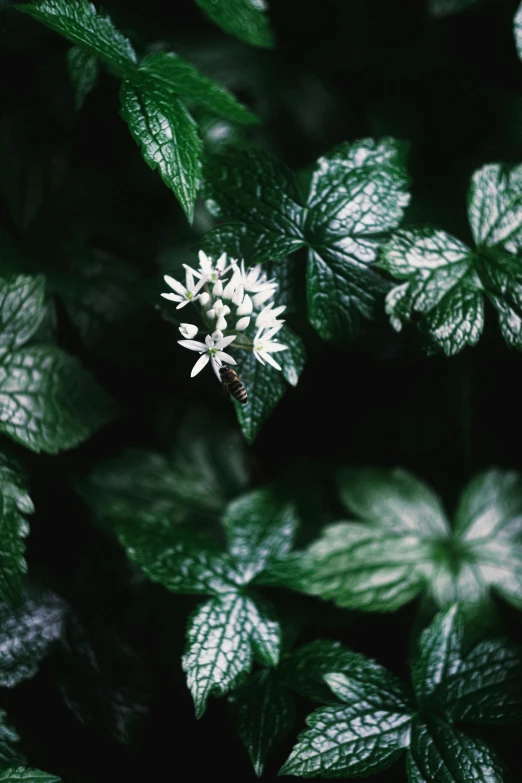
232	384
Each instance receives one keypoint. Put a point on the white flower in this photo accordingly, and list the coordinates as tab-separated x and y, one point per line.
184	293
246	307
267	318
188	330
211	349
237	296
263	347
255	280
209	271
243	323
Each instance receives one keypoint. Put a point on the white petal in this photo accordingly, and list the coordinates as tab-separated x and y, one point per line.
188	330
215	366
189	278
258	334
175	285
225	310
216	336
199	285
193	345
246	307
218	288
272	361
228	291
226	357
272	332
218	304
224	342
209	342
258	356
275	347
243	323
204	298
238	295
205	262
221	323
174	297
201	362
211	313
263	296
186	302
221	262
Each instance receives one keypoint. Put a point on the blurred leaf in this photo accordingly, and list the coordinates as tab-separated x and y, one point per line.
9	755
172	75
25	775
14	504
446	280
27	634
517	30
204	469
246	19
79	21
406	545
357	195
264	712
83	72
103	680
441	8
168	138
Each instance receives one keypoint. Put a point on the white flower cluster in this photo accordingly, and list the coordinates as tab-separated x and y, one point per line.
225	292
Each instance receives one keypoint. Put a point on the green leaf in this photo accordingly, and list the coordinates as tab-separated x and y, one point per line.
357	195
224	635
254	190
443	287
265	385
27	633
363	735
168	138
380	565
171	75
79	21
198	476
366	567
483	686
83	73
443	753
25	775
246	19
9	755
264	713
393	499
446	280
48	402
21	309
303	669
14	504
260	528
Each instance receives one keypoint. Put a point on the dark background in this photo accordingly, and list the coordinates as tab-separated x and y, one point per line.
75	190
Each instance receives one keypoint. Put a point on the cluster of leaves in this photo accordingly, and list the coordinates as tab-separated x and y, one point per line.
403	545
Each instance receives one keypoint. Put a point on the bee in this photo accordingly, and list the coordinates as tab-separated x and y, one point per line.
232	384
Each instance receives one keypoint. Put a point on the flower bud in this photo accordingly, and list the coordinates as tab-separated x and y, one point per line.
188	330
204	298
243	323
221	323
218	288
